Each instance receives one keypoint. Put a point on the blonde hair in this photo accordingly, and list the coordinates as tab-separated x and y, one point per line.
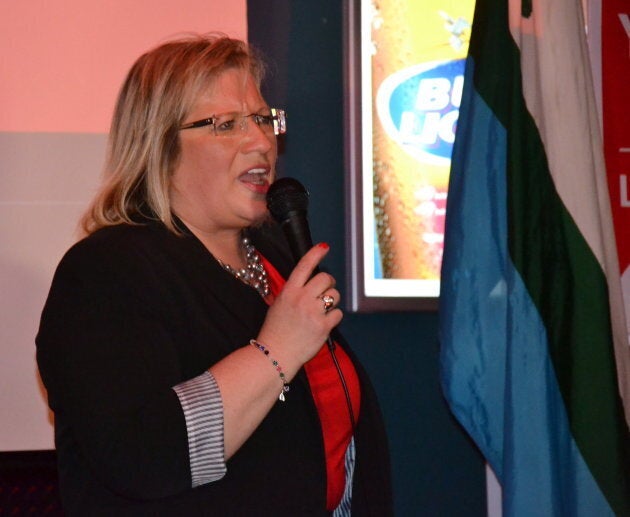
144	146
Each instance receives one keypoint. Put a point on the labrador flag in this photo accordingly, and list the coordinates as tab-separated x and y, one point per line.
534	350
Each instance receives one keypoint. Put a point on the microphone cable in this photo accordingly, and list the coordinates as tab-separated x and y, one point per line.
344	385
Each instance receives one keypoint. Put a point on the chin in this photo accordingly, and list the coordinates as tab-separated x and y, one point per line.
262	220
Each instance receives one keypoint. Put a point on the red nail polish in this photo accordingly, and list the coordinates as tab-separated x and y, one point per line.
324	245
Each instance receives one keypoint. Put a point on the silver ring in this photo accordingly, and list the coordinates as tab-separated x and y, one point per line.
329	301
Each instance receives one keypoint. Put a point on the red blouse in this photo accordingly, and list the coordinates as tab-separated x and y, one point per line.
330	400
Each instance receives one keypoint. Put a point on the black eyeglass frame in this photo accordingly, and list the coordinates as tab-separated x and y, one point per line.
278	117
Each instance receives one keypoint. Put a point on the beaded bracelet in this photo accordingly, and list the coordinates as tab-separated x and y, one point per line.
264	350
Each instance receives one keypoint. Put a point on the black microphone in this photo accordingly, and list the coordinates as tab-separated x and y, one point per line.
287	201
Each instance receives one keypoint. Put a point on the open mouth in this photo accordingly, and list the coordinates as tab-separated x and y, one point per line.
257	177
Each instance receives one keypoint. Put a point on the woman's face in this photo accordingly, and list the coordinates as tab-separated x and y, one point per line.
220	182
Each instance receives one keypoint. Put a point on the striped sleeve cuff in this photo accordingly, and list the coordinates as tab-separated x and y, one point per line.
203	410
345	506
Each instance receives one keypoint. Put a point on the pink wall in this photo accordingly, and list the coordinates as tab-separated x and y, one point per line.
62	62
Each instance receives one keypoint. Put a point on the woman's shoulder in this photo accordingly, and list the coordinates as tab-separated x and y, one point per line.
114	246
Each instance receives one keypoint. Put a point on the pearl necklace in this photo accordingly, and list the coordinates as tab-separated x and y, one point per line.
254	274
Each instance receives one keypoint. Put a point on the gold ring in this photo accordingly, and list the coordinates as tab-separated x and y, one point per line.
329	301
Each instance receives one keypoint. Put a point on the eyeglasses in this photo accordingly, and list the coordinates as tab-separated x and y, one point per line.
232	124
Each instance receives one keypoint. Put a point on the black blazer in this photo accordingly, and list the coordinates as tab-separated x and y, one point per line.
135	310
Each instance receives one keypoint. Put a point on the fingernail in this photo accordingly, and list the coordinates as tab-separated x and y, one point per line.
324	245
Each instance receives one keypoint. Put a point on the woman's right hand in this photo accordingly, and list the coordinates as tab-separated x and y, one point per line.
297	324
294	330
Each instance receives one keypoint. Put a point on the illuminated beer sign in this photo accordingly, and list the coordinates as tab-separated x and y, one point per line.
411	75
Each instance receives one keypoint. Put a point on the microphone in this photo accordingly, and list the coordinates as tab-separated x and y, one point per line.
287	201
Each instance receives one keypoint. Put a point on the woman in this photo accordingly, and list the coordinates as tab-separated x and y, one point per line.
186	375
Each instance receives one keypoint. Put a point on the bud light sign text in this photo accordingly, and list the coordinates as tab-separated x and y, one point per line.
419	107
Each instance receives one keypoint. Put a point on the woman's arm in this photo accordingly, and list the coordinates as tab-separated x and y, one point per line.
294	330
106	357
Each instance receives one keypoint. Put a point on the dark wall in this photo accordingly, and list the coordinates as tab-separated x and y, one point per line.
436	469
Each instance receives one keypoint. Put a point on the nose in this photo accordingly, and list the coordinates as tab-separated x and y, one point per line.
255	138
